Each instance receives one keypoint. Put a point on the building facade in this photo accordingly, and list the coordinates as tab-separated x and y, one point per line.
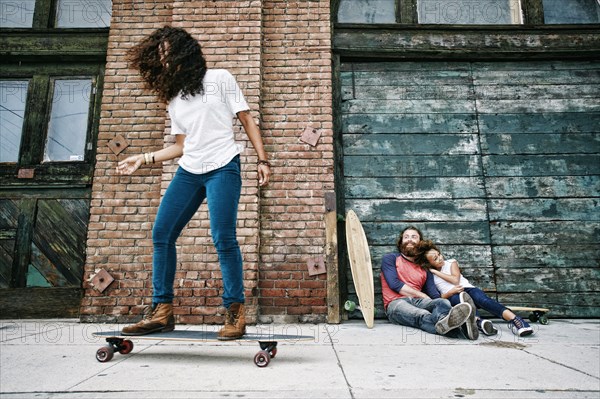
477	121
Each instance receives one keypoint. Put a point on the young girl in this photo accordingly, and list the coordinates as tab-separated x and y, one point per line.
452	284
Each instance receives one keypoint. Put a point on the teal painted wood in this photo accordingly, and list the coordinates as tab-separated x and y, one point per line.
508	77
499	162
547	232
524	143
542	165
541	256
542	280
542	186
409	123
560	122
410	106
412	166
414	188
410	144
385	210
536	91
446	232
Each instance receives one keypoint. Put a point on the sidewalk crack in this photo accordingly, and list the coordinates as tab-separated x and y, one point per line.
340	365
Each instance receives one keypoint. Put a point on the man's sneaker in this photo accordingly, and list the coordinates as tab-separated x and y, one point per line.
470	325
520	327
486	327
457	316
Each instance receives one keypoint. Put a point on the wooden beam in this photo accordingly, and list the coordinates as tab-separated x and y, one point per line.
478	43
331	251
56	44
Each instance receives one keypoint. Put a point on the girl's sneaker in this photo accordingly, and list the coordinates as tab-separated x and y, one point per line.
520	327
486	327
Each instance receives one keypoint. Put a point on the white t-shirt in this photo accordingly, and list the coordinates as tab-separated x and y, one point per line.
442	285
207	122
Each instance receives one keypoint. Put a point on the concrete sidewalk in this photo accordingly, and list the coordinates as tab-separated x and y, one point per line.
56	359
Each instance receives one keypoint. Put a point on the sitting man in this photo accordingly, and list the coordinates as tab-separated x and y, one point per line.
410	297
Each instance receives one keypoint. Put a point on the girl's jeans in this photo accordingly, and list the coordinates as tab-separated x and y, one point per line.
420	313
221	188
481	300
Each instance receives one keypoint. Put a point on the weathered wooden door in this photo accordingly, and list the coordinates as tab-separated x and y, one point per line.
499	162
49	118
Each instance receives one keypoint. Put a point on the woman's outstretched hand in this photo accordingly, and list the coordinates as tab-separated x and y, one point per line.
130	164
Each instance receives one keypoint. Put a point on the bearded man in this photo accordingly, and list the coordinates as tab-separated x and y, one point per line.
410	297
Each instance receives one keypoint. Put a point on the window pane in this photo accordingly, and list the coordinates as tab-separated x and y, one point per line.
13	95
16	13
470	12
571	11
367	11
83	13
67	130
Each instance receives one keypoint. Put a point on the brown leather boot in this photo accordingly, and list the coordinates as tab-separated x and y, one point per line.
235	323
159	319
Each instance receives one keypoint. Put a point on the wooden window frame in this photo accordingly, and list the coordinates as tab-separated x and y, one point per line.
40	54
35	126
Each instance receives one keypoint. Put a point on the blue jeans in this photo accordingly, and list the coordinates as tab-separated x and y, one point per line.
481	300
420	313
185	194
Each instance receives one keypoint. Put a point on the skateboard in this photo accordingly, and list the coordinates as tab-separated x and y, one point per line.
116	342
360	264
535	314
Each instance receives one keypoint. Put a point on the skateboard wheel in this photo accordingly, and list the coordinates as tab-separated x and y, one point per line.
125	347
262	359
350	306
273	353
105	354
544	320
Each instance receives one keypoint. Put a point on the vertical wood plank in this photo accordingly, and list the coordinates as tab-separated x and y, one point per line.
23	246
533	11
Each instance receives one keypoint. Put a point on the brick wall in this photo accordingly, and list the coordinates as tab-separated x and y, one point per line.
279	52
296	93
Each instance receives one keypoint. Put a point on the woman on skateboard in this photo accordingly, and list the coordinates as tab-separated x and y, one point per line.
452	286
202	103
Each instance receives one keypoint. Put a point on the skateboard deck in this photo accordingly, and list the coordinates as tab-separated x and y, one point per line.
535	314
117	342
360	264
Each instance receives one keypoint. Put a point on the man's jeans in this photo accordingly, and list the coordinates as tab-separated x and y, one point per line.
418	312
221	188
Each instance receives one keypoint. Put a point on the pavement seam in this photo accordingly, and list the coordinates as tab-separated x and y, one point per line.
339	362
561	364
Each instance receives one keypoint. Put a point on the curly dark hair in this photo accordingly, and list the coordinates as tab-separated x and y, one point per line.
170	61
423	247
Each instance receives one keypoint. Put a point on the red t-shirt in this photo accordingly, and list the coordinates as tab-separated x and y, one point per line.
409	273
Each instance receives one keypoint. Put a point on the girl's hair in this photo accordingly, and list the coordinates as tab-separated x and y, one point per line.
182	68
423	247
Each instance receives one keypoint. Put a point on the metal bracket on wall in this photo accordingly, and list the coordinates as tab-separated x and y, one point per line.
118	144
316	266
101	280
